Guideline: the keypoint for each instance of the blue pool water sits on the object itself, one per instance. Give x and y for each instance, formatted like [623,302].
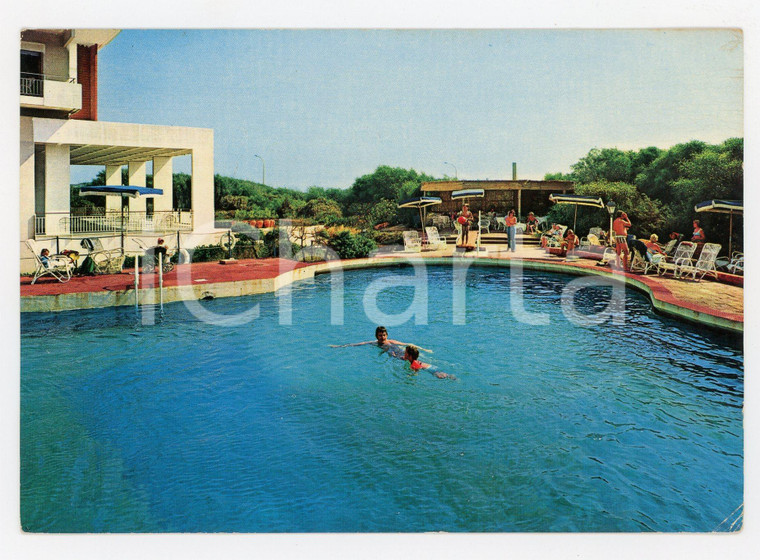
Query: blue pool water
[260,427]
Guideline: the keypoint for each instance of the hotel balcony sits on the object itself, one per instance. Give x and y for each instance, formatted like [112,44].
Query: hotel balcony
[65,224]
[40,91]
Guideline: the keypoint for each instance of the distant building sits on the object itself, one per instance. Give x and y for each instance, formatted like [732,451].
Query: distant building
[60,128]
[500,195]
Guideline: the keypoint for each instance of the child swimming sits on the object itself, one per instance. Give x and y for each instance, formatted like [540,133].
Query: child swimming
[411,355]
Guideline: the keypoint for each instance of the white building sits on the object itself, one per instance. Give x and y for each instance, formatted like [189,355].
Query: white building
[59,128]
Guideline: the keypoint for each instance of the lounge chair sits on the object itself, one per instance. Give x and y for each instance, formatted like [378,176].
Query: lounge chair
[705,264]
[736,266]
[553,240]
[412,241]
[59,267]
[434,240]
[644,262]
[682,257]
[725,262]
[104,261]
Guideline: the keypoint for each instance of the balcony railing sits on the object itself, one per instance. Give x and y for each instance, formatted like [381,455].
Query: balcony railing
[64,223]
[34,84]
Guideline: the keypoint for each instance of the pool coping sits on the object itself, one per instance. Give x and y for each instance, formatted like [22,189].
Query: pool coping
[662,299]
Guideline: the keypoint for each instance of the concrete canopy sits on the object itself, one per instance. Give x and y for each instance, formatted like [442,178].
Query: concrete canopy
[94,154]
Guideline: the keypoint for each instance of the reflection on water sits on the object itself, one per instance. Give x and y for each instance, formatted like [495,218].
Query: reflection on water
[185,426]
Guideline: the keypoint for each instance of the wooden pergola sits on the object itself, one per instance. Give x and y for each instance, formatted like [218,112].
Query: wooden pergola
[500,195]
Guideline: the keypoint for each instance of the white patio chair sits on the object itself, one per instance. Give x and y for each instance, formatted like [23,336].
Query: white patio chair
[682,257]
[736,266]
[705,263]
[412,241]
[105,261]
[434,240]
[484,224]
[59,267]
[725,262]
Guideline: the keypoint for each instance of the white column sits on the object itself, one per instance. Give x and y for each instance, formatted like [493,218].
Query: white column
[162,179]
[26,180]
[113,177]
[519,204]
[73,69]
[57,188]
[202,185]
[136,173]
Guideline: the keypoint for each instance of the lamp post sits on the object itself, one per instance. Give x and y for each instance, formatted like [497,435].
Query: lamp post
[263,169]
[455,168]
[611,210]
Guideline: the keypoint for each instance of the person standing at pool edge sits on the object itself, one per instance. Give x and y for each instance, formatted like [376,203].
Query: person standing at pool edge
[465,219]
[511,222]
[620,228]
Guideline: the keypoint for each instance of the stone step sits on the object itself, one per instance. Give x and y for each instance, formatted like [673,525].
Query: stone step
[497,239]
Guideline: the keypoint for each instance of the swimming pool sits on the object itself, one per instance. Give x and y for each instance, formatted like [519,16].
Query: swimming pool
[261,427]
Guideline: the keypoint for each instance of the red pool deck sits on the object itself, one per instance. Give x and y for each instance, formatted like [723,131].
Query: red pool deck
[708,302]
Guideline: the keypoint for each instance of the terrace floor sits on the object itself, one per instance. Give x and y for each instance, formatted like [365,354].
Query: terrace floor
[712,303]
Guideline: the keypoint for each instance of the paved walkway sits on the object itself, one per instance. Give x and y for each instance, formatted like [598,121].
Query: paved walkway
[707,302]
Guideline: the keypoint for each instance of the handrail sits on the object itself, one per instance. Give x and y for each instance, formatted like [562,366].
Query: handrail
[66,223]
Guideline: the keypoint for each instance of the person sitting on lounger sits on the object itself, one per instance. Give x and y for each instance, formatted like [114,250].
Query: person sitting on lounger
[45,258]
[531,224]
[570,241]
[698,236]
[412,354]
[555,233]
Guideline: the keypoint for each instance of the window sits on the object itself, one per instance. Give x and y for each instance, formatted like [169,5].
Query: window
[31,73]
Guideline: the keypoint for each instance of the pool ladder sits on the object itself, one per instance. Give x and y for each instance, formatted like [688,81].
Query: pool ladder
[147,311]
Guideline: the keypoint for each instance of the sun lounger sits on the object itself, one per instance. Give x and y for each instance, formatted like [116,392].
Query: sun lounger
[433,239]
[682,257]
[705,264]
[412,241]
[59,267]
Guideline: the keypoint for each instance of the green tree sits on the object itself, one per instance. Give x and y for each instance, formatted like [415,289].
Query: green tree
[390,183]
[648,216]
[608,164]
[321,210]
[655,180]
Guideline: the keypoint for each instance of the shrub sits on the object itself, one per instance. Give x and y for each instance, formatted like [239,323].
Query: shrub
[350,246]
[276,247]
[389,237]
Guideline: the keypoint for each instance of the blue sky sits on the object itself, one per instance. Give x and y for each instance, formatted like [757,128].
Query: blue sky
[323,107]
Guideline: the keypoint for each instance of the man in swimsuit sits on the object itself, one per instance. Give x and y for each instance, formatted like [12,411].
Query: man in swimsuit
[412,354]
[620,229]
[393,347]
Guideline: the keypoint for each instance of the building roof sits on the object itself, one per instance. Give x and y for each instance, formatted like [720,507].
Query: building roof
[497,185]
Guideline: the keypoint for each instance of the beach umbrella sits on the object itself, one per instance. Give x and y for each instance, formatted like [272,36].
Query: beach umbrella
[420,202]
[125,191]
[729,207]
[467,193]
[576,200]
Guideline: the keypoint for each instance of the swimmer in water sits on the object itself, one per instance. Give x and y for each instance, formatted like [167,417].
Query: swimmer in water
[382,340]
[411,355]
